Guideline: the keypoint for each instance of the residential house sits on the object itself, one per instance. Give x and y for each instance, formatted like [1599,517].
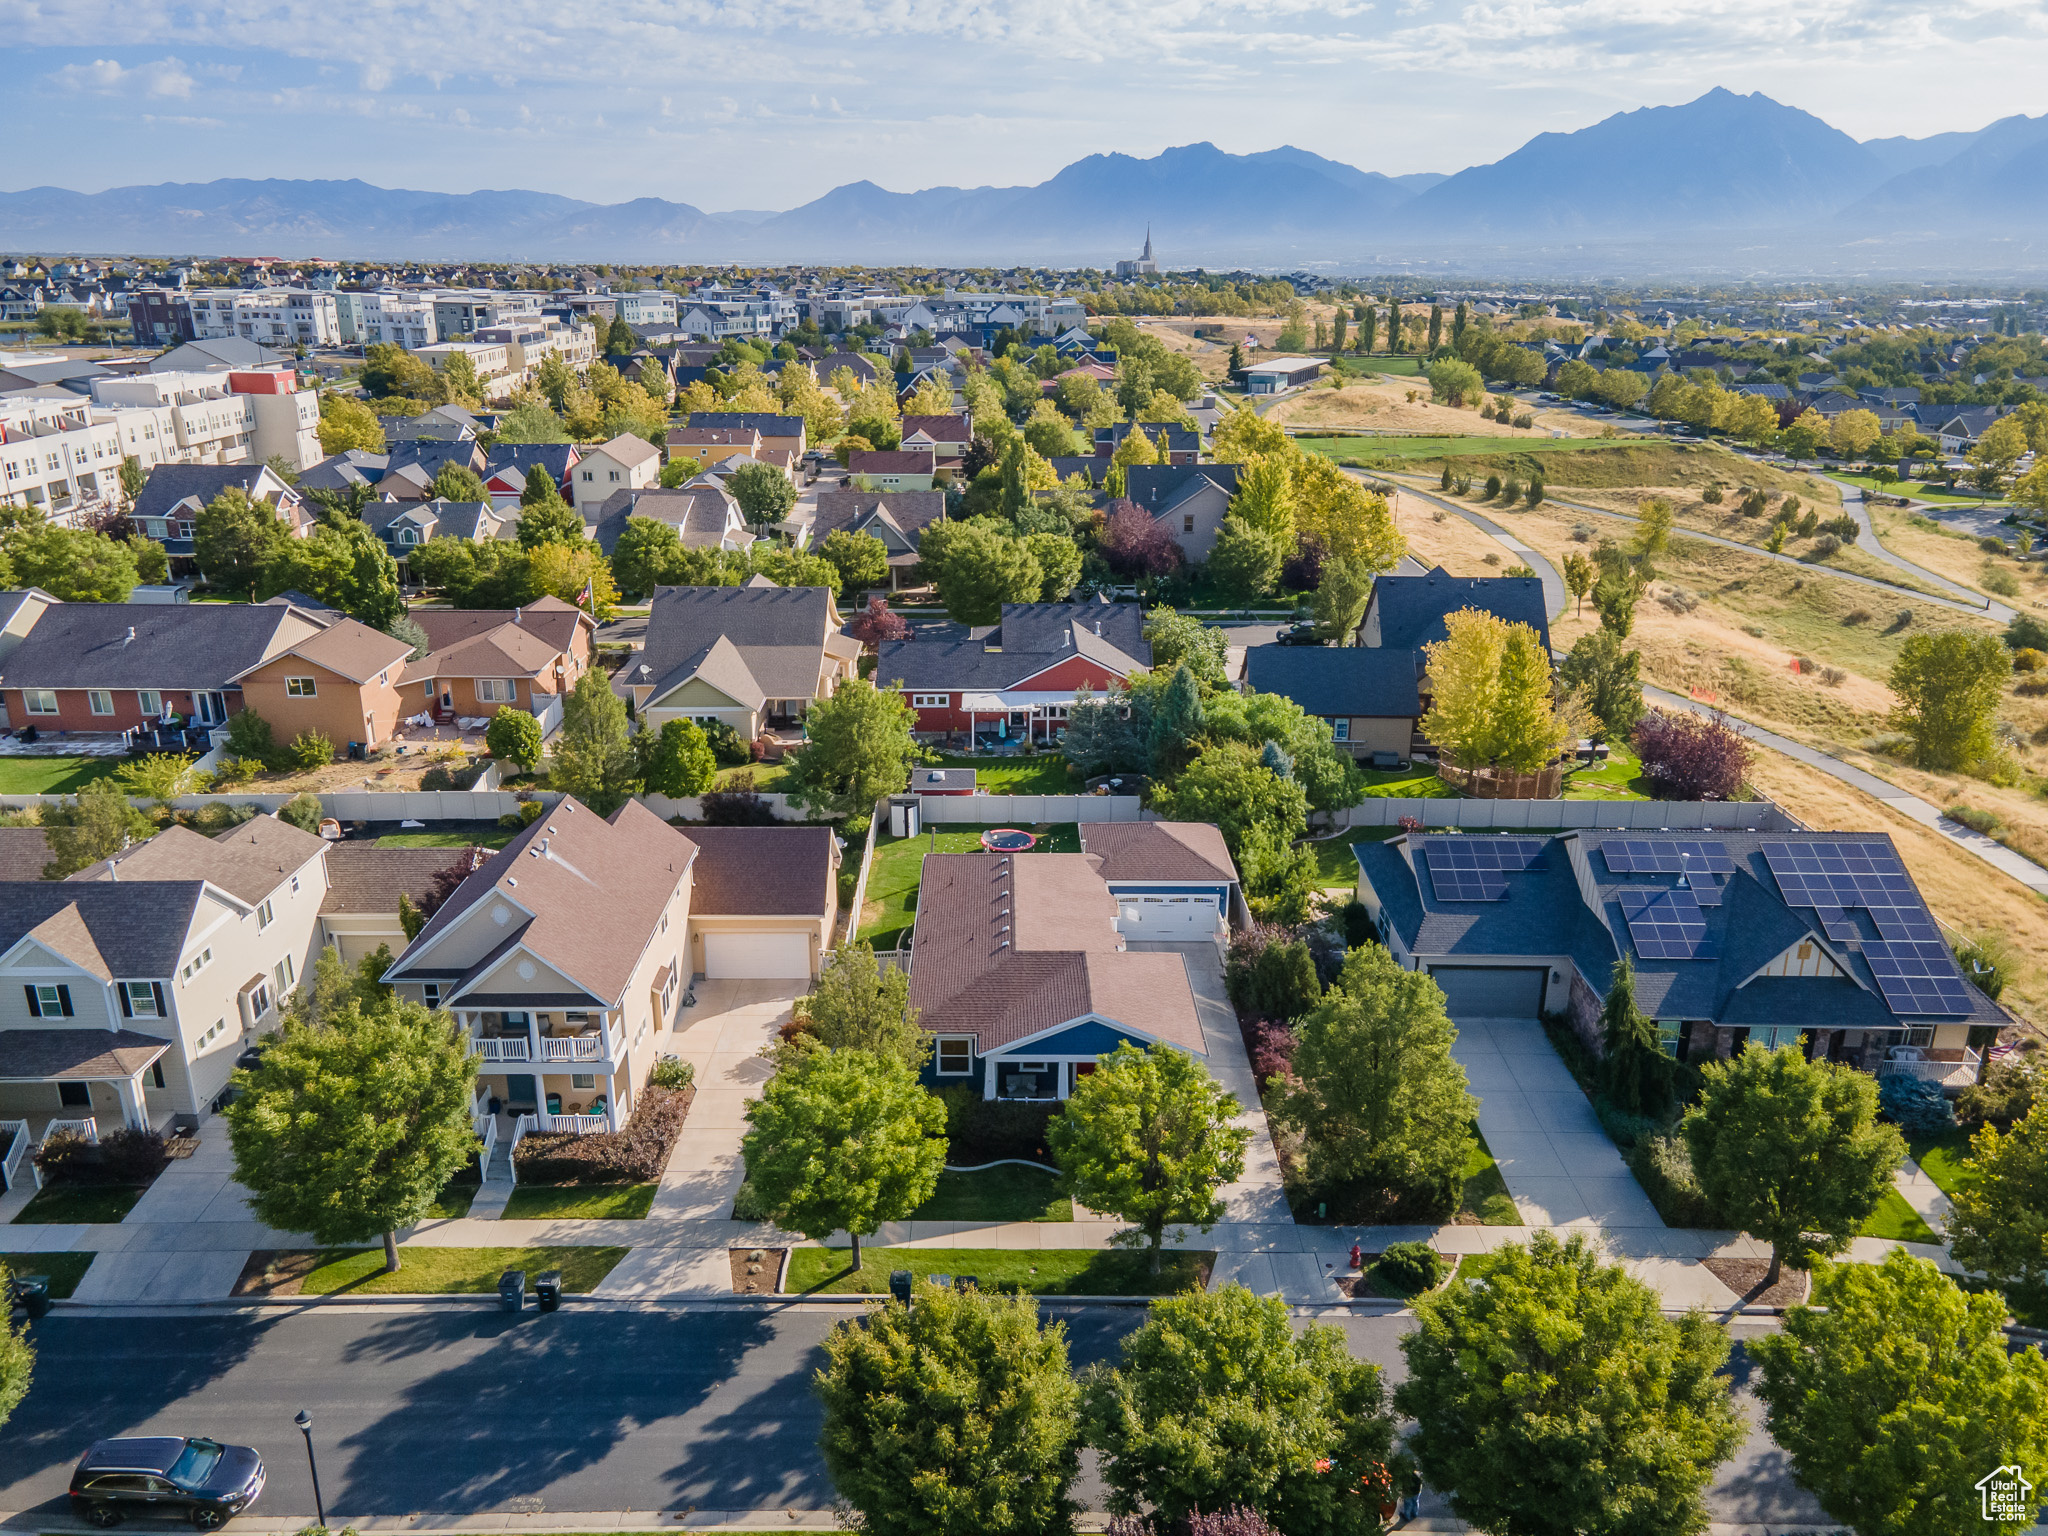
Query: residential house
[625,463]
[340,681]
[1816,939]
[776,431]
[138,981]
[900,469]
[753,657]
[897,518]
[1371,697]
[405,525]
[360,912]
[703,514]
[1960,428]
[1183,442]
[712,445]
[864,371]
[343,472]
[175,494]
[483,660]
[508,466]
[1191,500]
[1018,677]
[412,467]
[944,437]
[762,901]
[1408,612]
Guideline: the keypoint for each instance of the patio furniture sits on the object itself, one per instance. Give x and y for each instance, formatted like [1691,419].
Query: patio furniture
[554,1103]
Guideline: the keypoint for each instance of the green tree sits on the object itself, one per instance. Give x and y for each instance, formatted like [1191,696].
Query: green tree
[160,778]
[1149,1136]
[1059,564]
[97,824]
[1999,1223]
[411,920]
[859,1005]
[844,1141]
[1436,326]
[1803,439]
[389,371]
[1894,1393]
[17,1357]
[1226,784]
[1375,1091]
[1609,677]
[1949,686]
[956,1417]
[647,552]
[1340,598]
[979,571]
[1176,726]
[861,559]
[1652,536]
[514,736]
[458,482]
[152,566]
[1182,640]
[550,520]
[532,422]
[75,565]
[1633,1063]
[1791,1151]
[1578,576]
[676,760]
[764,493]
[1578,379]
[1264,498]
[342,563]
[860,749]
[619,339]
[1555,1398]
[346,424]
[1218,1401]
[1245,564]
[1491,695]
[594,757]
[132,479]
[1454,382]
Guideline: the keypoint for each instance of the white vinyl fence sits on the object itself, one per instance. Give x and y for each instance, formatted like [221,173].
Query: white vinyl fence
[1605,815]
[1028,810]
[418,804]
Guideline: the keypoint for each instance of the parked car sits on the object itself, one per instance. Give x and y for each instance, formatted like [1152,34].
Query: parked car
[206,1482]
[1303,633]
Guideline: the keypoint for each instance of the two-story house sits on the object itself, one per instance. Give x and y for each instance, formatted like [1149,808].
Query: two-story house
[898,469]
[1189,500]
[487,659]
[753,657]
[626,463]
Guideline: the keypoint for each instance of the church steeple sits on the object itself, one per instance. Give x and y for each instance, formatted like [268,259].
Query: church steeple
[1148,244]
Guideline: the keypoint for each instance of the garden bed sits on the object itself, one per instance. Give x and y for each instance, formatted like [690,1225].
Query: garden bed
[635,1155]
[1369,1284]
[422,1271]
[1745,1277]
[1036,1272]
[755,1271]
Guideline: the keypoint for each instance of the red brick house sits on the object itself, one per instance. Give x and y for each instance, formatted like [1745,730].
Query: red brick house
[1016,678]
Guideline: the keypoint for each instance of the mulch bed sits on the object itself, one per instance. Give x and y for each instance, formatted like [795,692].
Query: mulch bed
[1745,1277]
[755,1271]
[277,1272]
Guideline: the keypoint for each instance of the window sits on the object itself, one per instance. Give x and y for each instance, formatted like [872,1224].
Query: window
[930,700]
[99,701]
[587,475]
[39,701]
[295,885]
[1187,522]
[956,1055]
[1340,729]
[139,1000]
[1770,1038]
[497,690]
[430,994]
[195,965]
[582,1079]
[284,974]
[1669,1033]
[264,916]
[150,702]
[299,688]
[48,1002]
[259,999]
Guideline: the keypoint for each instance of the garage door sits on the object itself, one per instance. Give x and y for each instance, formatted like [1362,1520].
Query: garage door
[757,956]
[1167,919]
[1491,991]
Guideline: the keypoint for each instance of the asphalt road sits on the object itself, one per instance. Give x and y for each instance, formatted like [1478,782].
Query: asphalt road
[447,1410]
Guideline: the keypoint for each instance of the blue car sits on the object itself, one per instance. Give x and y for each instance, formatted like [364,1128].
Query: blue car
[202,1480]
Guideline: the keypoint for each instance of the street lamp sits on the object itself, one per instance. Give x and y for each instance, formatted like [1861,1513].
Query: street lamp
[305,1423]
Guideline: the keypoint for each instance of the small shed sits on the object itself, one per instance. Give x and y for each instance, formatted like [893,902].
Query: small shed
[942,781]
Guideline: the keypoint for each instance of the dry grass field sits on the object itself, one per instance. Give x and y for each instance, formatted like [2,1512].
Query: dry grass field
[1382,405]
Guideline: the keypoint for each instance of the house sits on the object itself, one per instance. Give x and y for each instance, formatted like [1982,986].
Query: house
[1960,429]
[405,525]
[340,681]
[946,437]
[712,445]
[508,467]
[775,431]
[1371,697]
[625,463]
[1173,881]
[1183,442]
[703,514]
[1020,970]
[1017,677]
[137,981]
[899,469]
[762,901]
[1191,500]
[1408,612]
[360,911]
[1271,375]
[483,660]
[897,518]
[1819,939]
[864,371]
[344,471]
[175,494]
[751,657]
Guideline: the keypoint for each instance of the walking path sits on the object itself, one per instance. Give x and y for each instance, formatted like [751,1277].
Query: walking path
[1867,539]
[1923,1194]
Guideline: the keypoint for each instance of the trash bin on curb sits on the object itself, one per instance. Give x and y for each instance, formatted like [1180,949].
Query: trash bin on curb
[547,1290]
[943,1282]
[899,1285]
[32,1294]
[512,1290]
[966,1282]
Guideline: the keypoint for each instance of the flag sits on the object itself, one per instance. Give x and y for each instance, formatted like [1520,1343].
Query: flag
[587,598]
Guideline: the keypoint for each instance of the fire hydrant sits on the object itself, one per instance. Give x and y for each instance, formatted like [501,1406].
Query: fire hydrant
[1357,1257]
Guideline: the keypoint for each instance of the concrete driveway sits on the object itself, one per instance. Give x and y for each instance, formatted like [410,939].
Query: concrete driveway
[722,1037]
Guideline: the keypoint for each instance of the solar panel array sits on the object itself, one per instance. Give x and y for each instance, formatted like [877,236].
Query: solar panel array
[1667,925]
[1913,967]
[1666,856]
[1476,868]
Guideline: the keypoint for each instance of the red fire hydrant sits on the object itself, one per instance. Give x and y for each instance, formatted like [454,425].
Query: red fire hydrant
[1357,1257]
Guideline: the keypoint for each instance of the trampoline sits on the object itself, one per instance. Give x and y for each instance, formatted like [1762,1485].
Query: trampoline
[1008,840]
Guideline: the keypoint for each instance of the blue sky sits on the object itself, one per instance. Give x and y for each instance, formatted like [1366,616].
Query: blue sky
[769,103]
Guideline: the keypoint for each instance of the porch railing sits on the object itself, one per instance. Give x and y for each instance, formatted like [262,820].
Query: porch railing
[16,1132]
[88,1128]
[1966,1067]
[503,1047]
[486,1127]
[572,1047]
[578,1125]
[520,1127]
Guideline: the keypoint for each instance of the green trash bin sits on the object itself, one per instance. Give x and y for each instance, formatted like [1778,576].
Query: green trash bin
[512,1290]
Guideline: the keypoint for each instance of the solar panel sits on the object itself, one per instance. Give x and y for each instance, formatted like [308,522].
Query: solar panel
[1502,853]
[1706,890]
[1841,875]
[1837,924]
[1667,925]
[1454,884]
[1917,976]
[1666,856]
[1912,923]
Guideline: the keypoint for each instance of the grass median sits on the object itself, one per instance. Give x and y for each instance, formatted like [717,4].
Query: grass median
[88,1204]
[438,1271]
[1038,1272]
[579,1202]
[64,1270]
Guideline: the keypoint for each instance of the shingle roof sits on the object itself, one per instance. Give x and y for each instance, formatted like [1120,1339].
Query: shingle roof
[363,878]
[1331,681]
[129,931]
[762,871]
[23,853]
[895,461]
[1180,437]
[556,458]
[355,651]
[768,424]
[1031,638]
[1157,850]
[1412,609]
[908,513]
[507,651]
[1159,488]
[950,428]
[698,512]
[170,484]
[248,862]
[549,617]
[628,449]
[174,645]
[31,1055]
[779,632]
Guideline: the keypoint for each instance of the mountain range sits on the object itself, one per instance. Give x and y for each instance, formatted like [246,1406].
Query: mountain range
[1725,184]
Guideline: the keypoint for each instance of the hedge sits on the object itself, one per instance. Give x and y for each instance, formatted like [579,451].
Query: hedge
[635,1155]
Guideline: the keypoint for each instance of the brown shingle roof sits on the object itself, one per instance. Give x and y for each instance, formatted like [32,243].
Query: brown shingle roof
[248,862]
[896,461]
[355,651]
[507,651]
[23,853]
[762,871]
[361,877]
[1157,850]
[33,1055]
[549,617]
[943,429]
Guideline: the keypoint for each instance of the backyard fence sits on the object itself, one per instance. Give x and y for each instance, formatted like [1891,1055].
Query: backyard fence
[1568,815]
[1030,810]
[478,804]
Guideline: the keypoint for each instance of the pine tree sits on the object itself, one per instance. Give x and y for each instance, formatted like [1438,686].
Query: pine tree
[1458,322]
[1638,1072]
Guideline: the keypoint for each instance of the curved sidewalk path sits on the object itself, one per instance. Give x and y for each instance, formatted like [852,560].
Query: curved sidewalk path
[1868,541]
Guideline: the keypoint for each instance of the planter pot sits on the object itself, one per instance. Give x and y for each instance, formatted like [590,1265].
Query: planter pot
[1387,1511]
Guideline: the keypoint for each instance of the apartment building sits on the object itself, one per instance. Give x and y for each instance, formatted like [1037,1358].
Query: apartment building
[57,454]
[717,319]
[220,417]
[399,319]
[491,359]
[529,342]
[653,306]
[273,317]
[461,312]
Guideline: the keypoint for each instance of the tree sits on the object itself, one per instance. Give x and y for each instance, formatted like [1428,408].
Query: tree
[346,424]
[1691,757]
[1609,677]
[1341,516]
[1652,536]
[1182,640]
[1555,1398]
[97,824]
[2002,445]
[859,749]
[876,624]
[342,563]
[648,551]
[1340,598]
[1176,725]
[389,371]
[1436,326]
[1894,1393]
[1790,1151]
[676,760]
[1227,785]
[458,482]
[514,736]
[1615,596]
[1578,578]
[1135,448]
[567,571]
[618,338]
[764,493]
[1633,1064]
[979,570]
[1059,564]
[160,778]
[532,422]
[1949,686]
[1243,434]
[1375,1091]
[549,520]
[1264,499]
[861,559]
[858,1005]
[844,1141]
[76,565]
[1623,387]
[1453,382]
[1854,433]
[958,1416]
[1134,543]
[1245,563]
[1577,379]
[1999,1223]
[594,758]
[1803,439]
[17,1356]
[1490,695]
[1149,1136]
[1218,1401]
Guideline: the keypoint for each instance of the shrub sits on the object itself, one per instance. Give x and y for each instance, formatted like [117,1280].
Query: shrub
[125,1156]
[1986,822]
[2031,687]
[1412,1268]
[2001,582]
[1690,757]
[1993,546]
[302,811]
[441,776]
[1269,974]
[235,770]
[1856,616]
[1357,920]
[216,818]
[1713,495]
[2028,659]
[1912,1104]
[1845,528]
[982,1130]
[1824,546]
[2026,632]
[309,749]
[737,806]
[1663,1166]
[2006,1094]
[1510,491]
[726,745]
[673,1073]
[747,1205]
[1834,677]
[1582,533]
[1271,1046]
[635,1155]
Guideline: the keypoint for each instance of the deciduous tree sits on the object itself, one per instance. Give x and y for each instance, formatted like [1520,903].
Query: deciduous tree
[346,424]
[859,1005]
[594,758]
[1999,1223]
[859,749]
[1949,686]
[458,482]
[514,736]
[1135,543]
[861,559]
[764,493]
[977,570]
[342,563]
[1340,598]
[231,539]
[1245,563]
[1692,757]
[676,760]
[97,824]
[1609,675]
[1490,695]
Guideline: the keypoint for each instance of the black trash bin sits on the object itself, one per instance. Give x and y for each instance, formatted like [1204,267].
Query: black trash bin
[547,1290]
[899,1285]
[943,1282]
[966,1282]
[512,1290]
[32,1294]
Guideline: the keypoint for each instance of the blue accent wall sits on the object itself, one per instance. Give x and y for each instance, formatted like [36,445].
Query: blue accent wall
[1092,1038]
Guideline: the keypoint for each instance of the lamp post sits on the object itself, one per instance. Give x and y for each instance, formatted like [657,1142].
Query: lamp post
[305,1423]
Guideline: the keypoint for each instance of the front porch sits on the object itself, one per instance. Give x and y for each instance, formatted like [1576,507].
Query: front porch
[90,1081]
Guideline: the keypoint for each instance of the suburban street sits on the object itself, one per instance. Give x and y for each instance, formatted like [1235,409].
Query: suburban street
[436,1408]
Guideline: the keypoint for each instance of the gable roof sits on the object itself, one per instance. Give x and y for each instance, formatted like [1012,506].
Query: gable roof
[352,650]
[894,461]
[111,930]
[553,620]
[950,428]
[763,871]
[1157,850]
[767,423]
[1031,638]
[150,645]
[1337,681]
[556,458]
[1412,609]
[1180,437]
[248,862]
[629,450]
[1159,488]
[780,634]
[170,484]
[702,513]
[897,518]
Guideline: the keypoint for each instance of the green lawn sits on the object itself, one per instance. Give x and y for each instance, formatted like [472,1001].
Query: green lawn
[1898,1221]
[588,1202]
[893,877]
[54,775]
[1006,1193]
[1619,778]
[1044,774]
[447,1271]
[1335,864]
[767,777]
[1944,1156]
[1918,490]
[64,1269]
[1353,366]
[453,1203]
[1042,1272]
[1414,782]
[102,1204]
[496,838]
[1486,1192]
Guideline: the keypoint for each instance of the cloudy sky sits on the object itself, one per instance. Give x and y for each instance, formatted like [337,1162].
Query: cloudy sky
[769,103]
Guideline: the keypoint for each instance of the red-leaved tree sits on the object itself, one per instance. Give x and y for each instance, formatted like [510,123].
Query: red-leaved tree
[1692,757]
[1135,543]
[875,623]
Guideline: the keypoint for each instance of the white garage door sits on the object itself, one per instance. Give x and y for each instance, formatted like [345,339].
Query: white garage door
[757,956]
[1490,991]
[1167,919]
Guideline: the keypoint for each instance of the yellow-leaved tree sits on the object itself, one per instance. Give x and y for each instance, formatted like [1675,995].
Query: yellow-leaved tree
[1490,695]
[1265,497]
[1343,516]
[1244,434]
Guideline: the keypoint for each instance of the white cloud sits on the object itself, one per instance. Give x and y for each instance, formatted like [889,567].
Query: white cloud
[108,77]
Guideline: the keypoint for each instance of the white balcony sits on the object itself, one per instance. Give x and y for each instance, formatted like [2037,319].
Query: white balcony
[503,1048]
[1948,1068]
